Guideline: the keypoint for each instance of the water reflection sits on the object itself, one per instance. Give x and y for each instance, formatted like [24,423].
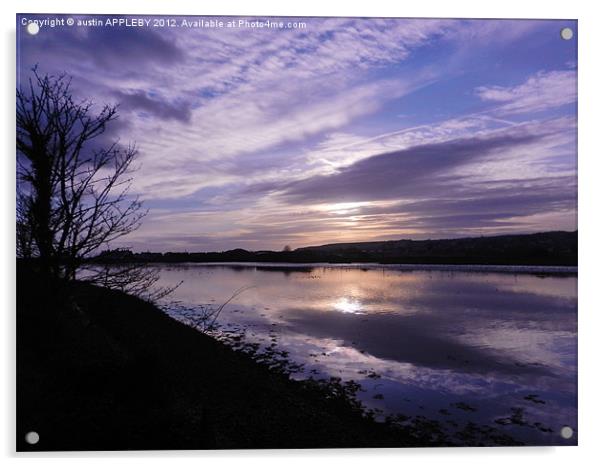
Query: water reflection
[348,306]
[456,346]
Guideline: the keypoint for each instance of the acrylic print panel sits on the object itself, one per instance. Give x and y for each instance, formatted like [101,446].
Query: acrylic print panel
[295,232]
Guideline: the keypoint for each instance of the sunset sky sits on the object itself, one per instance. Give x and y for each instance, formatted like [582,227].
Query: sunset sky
[345,130]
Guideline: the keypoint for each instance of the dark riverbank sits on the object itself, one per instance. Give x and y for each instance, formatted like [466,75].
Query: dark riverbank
[103,370]
[556,248]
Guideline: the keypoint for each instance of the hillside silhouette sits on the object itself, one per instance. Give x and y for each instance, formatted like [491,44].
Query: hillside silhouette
[558,248]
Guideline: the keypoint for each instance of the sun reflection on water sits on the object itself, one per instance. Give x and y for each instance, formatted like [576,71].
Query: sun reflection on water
[348,306]
[418,342]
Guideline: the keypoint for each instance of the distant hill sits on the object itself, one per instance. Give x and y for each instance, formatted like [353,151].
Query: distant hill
[549,248]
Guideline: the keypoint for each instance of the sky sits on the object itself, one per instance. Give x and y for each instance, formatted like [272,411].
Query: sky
[335,130]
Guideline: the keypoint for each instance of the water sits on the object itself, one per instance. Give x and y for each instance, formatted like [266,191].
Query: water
[489,346]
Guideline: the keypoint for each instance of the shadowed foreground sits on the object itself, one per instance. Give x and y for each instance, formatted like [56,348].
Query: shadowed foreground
[104,370]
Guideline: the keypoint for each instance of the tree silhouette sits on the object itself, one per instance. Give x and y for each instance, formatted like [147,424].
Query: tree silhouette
[72,192]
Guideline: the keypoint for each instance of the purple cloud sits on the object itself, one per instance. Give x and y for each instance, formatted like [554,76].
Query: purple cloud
[417,170]
[139,100]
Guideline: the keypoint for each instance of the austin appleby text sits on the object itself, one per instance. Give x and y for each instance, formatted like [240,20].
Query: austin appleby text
[128,22]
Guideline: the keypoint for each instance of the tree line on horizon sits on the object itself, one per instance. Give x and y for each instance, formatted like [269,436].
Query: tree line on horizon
[547,248]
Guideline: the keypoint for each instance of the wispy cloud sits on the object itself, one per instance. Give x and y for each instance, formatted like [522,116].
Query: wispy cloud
[542,91]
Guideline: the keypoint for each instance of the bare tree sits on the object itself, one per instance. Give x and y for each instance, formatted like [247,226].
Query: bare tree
[25,243]
[133,278]
[72,193]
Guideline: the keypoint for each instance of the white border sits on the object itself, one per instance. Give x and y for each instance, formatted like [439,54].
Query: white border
[590,172]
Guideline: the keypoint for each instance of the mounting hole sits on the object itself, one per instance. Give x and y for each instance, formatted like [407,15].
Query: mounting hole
[33,28]
[566,432]
[566,33]
[32,437]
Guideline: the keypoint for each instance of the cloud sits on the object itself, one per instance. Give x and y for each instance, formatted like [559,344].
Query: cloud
[479,205]
[106,52]
[240,92]
[480,177]
[542,91]
[409,172]
[500,180]
[140,100]
[130,45]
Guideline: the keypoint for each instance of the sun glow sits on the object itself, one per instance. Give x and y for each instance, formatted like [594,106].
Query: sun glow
[342,208]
